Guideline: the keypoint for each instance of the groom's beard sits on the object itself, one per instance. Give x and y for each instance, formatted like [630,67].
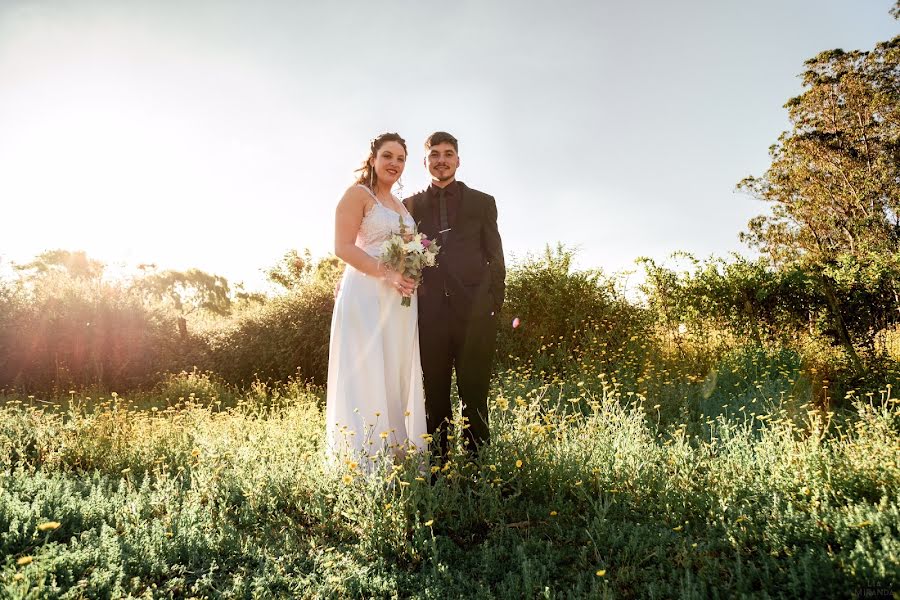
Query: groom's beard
[443,177]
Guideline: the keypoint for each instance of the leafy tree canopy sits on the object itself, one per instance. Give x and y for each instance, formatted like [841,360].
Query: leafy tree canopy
[75,264]
[834,183]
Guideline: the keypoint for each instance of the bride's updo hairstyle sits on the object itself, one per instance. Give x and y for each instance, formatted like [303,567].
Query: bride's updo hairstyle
[366,173]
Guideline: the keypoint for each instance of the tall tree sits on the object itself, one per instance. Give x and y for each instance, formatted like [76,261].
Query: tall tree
[834,183]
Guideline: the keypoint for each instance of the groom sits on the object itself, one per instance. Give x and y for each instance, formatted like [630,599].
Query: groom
[460,299]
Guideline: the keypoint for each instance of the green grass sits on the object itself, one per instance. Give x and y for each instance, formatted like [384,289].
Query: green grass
[586,491]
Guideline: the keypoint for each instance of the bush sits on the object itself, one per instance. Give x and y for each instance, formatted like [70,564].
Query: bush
[286,337]
[552,314]
[196,386]
[64,332]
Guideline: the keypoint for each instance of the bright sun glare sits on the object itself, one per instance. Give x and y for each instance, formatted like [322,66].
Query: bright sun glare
[126,149]
[90,152]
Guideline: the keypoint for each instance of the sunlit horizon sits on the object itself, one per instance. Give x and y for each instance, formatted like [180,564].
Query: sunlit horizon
[221,138]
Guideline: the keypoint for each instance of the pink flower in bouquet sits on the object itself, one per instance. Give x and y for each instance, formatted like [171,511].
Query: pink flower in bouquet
[425,241]
[516,322]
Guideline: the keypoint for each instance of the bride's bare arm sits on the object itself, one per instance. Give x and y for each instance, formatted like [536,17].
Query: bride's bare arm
[348,217]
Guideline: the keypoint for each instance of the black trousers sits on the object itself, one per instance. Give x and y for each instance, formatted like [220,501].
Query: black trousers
[448,342]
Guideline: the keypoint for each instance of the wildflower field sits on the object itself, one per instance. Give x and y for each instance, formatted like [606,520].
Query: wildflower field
[639,450]
[594,486]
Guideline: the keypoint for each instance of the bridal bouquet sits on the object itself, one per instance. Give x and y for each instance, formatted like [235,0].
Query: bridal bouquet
[408,252]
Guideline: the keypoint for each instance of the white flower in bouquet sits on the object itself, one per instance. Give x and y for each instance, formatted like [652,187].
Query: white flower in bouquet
[414,246]
[408,253]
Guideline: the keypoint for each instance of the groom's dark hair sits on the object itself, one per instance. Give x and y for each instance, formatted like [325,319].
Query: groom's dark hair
[441,137]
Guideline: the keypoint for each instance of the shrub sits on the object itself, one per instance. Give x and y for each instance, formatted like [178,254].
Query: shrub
[64,332]
[284,338]
[559,313]
[194,385]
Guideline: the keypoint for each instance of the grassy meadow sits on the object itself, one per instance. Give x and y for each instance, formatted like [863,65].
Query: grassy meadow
[629,479]
[679,447]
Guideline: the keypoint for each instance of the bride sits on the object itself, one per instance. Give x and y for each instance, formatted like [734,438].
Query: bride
[375,399]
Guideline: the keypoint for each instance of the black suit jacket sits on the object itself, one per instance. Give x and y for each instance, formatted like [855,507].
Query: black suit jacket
[470,271]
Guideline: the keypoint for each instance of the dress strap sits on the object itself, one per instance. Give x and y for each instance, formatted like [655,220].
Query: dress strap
[374,197]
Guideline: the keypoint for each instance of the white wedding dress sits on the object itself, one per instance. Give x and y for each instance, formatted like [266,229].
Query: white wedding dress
[375,399]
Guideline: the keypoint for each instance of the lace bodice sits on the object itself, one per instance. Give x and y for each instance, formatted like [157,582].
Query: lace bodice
[378,225]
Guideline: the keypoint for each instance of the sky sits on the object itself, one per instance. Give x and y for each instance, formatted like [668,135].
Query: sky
[221,134]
